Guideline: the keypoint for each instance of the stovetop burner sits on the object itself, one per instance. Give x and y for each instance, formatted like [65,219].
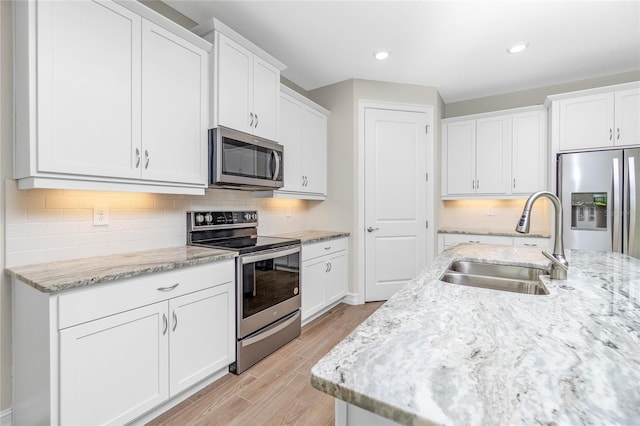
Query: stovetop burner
[232,231]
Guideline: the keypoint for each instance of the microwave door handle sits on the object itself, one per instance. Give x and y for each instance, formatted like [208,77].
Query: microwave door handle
[633,206]
[615,195]
[277,172]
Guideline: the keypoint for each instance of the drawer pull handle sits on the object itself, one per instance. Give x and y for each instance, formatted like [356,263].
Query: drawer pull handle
[166,324]
[474,241]
[173,287]
[530,245]
[328,248]
[175,321]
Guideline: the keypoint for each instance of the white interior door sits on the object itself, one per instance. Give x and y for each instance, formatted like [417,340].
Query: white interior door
[395,199]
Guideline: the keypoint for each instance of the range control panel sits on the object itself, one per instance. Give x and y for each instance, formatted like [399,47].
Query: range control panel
[202,220]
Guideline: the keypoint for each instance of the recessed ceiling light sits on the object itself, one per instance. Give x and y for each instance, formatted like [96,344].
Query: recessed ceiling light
[381,55]
[518,48]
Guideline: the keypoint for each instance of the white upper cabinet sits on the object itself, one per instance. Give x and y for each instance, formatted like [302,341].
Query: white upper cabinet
[303,133]
[528,152]
[245,83]
[598,118]
[174,108]
[493,155]
[107,99]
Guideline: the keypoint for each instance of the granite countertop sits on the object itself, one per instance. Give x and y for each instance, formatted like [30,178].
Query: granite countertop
[449,354]
[308,237]
[476,231]
[57,276]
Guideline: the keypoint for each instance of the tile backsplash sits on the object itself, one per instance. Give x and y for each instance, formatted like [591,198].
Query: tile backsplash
[50,225]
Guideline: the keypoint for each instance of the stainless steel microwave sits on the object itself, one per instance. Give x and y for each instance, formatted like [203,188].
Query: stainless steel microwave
[241,161]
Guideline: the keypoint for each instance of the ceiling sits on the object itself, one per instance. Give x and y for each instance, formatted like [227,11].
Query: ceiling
[459,47]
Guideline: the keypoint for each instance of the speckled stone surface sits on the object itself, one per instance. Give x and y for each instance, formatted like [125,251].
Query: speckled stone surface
[57,276]
[476,231]
[449,354]
[308,237]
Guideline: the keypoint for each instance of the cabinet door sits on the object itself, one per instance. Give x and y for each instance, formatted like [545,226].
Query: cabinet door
[290,138]
[461,141]
[336,280]
[528,142]
[202,335]
[266,95]
[88,104]
[312,288]
[627,117]
[234,85]
[586,122]
[493,136]
[174,108]
[114,369]
[314,151]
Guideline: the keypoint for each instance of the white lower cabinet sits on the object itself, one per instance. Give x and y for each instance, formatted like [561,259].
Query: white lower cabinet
[119,350]
[324,276]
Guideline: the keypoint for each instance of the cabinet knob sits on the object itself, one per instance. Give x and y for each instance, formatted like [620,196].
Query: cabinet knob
[370,229]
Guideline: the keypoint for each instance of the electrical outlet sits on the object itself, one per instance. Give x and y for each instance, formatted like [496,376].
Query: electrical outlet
[490,211]
[100,215]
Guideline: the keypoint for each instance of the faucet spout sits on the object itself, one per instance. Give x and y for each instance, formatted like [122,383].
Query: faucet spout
[559,263]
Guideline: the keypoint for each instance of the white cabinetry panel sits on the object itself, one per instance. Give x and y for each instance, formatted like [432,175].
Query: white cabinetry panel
[114,369]
[324,276]
[597,118]
[88,105]
[495,155]
[113,97]
[174,108]
[234,86]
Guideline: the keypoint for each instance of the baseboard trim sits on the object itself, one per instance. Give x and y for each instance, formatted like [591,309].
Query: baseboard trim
[6,417]
[351,299]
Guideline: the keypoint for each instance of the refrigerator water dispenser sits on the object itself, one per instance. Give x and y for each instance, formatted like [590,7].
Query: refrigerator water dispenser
[589,211]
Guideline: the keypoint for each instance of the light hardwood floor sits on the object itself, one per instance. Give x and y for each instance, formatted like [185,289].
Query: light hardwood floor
[277,390]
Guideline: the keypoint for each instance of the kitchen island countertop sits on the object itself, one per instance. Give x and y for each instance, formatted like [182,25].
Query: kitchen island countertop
[449,354]
[62,275]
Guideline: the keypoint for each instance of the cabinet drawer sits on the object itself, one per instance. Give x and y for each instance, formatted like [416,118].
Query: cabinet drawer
[97,301]
[450,239]
[532,242]
[310,251]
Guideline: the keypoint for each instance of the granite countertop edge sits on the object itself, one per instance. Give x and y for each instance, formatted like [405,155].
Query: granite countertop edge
[467,231]
[54,276]
[314,236]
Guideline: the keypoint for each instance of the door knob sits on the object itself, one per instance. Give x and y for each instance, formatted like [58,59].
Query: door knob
[370,229]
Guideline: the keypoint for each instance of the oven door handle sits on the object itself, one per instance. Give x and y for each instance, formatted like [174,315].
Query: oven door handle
[270,332]
[271,254]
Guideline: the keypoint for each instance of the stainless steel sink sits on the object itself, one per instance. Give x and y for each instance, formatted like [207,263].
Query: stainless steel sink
[514,278]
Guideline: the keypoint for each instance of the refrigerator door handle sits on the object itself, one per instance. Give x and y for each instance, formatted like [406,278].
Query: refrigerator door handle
[616,244]
[633,205]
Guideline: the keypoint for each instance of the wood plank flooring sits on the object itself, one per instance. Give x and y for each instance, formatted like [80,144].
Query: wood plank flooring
[277,390]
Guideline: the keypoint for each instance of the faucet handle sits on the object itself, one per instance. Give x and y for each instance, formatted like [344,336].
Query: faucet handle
[559,266]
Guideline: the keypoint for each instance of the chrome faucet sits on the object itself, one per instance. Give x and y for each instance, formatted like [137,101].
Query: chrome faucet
[559,264]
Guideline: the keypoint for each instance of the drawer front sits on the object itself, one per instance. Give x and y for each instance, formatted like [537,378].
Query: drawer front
[450,239]
[310,251]
[88,303]
[532,242]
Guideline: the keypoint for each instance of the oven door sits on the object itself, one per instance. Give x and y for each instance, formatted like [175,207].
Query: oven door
[268,288]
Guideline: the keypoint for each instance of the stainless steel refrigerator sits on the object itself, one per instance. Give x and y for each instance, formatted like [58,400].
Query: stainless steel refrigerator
[600,192]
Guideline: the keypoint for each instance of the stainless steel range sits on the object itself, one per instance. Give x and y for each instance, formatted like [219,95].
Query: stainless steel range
[267,281]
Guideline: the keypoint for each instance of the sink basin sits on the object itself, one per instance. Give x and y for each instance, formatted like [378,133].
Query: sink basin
[514,278]
[500,271]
